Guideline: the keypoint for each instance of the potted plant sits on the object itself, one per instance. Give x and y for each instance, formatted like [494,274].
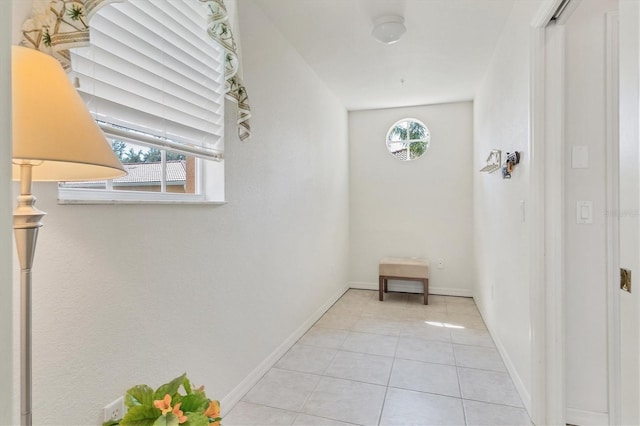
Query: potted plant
[167,406]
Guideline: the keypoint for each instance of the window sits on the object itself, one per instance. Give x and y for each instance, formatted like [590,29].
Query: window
[408,139]
[149,169]
[154,81]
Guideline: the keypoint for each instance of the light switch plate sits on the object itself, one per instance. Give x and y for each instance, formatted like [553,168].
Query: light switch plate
[580,157]
[584,212]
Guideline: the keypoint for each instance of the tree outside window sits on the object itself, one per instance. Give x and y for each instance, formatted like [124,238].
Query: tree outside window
[149,169]
[408,139]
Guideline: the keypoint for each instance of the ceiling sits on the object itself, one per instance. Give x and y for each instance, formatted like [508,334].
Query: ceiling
[441,57]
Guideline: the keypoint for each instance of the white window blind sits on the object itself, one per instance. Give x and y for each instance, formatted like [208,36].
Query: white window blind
[152,74]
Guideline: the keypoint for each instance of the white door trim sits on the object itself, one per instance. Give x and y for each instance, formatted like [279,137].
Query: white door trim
[9,404]
[612,223]
[554,231]
[547,212]
[536,229]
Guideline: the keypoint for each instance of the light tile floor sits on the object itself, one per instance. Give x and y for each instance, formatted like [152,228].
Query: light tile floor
[391,363]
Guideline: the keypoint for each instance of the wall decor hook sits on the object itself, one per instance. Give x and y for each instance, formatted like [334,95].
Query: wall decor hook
[512,159]
[493,161]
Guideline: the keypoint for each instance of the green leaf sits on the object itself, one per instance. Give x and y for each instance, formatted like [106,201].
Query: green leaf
[187,386]
[170,388]
[111,423]
[195,402]
[139,395]
[196,419]
[176,398]
[169,419]
[141,415]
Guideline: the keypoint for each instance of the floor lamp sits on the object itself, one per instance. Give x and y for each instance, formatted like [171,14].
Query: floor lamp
[55,138]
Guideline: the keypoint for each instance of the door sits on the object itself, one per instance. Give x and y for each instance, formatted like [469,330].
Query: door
[590,130]
[592,83]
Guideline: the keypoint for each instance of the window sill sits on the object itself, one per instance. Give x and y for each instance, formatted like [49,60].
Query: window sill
[104,197]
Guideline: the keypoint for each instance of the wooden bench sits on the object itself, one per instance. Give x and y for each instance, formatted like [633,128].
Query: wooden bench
[410,269]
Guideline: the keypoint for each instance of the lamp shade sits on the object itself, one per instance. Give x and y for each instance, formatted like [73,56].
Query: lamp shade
[52,127]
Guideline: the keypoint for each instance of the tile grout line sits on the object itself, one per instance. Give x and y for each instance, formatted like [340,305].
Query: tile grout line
[431,393]
[324,375]
[386,389]
[395,387]
[297,413]
[329,364]
[384,397]
[408,359]
[495,403]
[464,412]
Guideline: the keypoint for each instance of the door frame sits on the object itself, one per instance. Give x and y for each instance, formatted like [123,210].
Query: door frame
[612,218]
[547,202]
[546,194]
[9,404]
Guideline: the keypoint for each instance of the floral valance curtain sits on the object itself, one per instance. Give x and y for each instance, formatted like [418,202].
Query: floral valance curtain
[59,25]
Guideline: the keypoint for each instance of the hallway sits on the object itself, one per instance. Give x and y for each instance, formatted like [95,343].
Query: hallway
[395,362]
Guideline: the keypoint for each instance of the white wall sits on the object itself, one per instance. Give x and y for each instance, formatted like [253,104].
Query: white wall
[419,208]
[630,206]
[6,249]
[501,121]
[140,294]
[585,244]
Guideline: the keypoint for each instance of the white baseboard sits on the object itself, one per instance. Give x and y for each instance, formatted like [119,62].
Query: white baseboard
[409,287]
[586,418]
[231,399]
[525,396]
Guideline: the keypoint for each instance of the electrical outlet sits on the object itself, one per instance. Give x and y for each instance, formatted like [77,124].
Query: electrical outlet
[441,263]
[115,410]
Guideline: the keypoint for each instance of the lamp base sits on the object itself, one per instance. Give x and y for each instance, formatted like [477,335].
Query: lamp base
[26,243]
[26,223]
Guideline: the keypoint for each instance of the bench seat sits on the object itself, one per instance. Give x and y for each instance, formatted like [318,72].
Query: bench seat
[400,268]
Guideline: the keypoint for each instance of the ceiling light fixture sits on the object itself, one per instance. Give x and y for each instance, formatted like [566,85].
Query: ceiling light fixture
[388,29]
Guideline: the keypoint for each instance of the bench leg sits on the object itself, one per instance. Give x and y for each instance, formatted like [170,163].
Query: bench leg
[380,287]
[385,282]
[426,291]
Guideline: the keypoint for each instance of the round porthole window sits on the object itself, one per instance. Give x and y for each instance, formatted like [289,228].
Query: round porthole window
[408,139]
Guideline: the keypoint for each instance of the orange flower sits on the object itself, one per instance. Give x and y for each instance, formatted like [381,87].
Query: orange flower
[164,404]
[179,414]
[213,411]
